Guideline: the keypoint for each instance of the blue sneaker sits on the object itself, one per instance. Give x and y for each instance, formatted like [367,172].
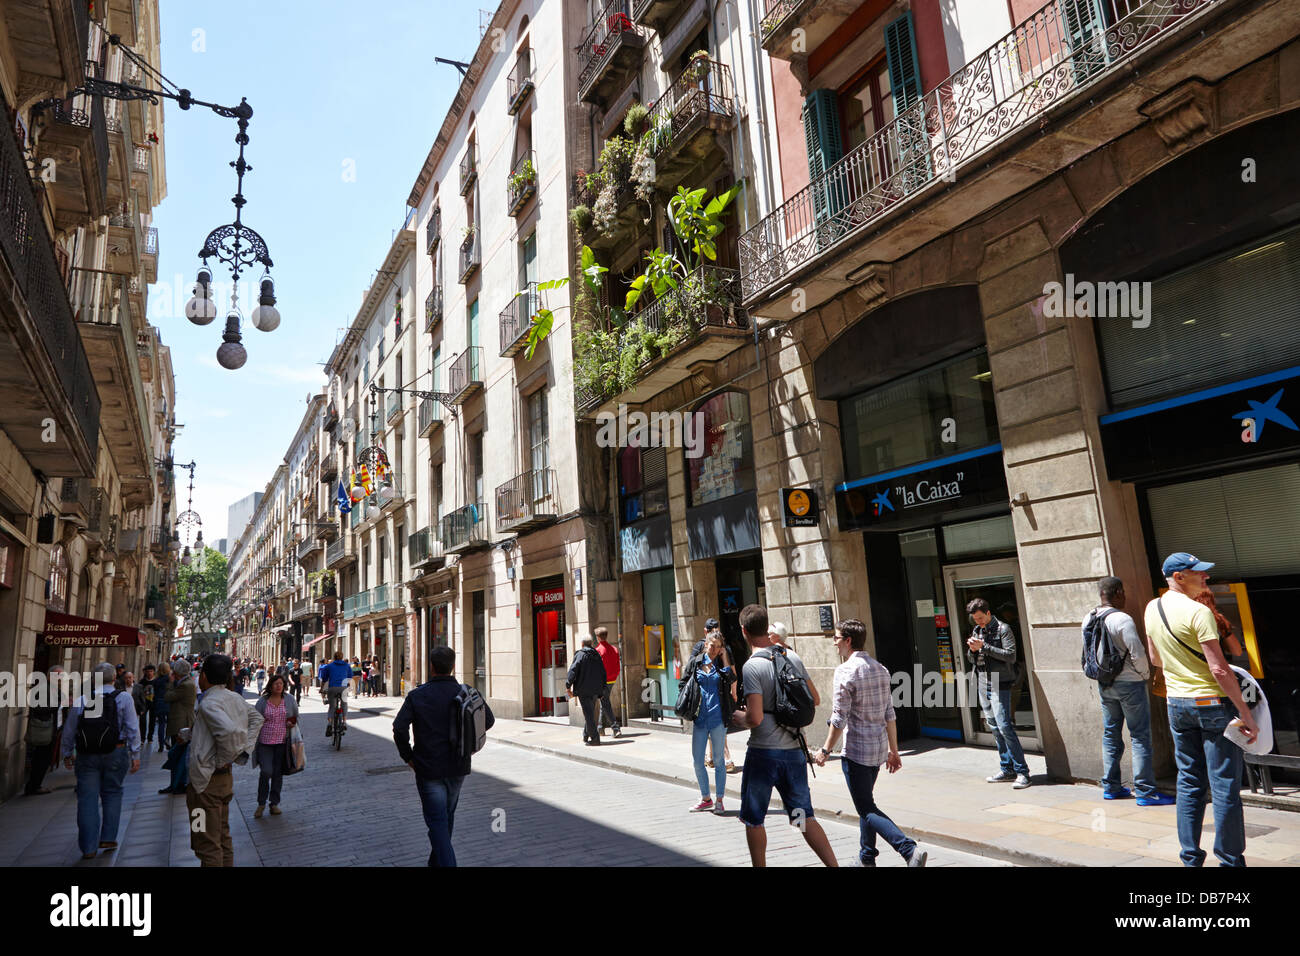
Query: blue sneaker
[1159,800]
[1123,793]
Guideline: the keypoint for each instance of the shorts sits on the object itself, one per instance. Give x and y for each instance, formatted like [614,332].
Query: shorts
[787,771]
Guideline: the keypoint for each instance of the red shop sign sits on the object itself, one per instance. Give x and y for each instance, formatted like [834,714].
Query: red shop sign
[548,596]
[64,630]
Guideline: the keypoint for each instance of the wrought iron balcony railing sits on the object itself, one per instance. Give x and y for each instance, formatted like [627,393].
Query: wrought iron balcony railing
[612,31]
[703,95]
[423,547]
[430,415]
[433,308]
[1048,58]
[520,82]
[75,496]
[468,168]
[522,184]
[465,374]
[394,406]
[27,248]
[463,529]
[433,231]
[517,319]
[470,256]
[526,501]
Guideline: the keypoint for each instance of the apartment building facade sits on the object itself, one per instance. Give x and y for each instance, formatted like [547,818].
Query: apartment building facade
[1004,295]
[86,493]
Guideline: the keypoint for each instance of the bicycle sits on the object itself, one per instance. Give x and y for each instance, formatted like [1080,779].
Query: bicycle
[338,726]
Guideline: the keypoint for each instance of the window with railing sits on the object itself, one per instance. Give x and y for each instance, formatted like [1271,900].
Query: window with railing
[520,82]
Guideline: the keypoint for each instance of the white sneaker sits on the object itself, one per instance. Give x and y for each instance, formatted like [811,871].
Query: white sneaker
[1022,782]
[918,857]
[717,808]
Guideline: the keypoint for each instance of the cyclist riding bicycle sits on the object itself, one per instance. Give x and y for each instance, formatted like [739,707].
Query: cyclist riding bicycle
[334,680]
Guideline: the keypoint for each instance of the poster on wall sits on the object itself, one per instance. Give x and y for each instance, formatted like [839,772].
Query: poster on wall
[654,646]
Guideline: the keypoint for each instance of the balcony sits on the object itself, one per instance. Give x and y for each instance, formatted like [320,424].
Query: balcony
[424,549]
[522,184]
[394,407]
[813,21]
[688,124]
[468,169]
[52,377]
[356,605]
[75,137]
[155,613]
[520,82]
[470,257]
[526,502]
[702,321]
[75,499]
[125,242]
[160,537]
[341,551]
[657,14]
[306,547]
[465,529]
[150,258]
[141,166]
[331,416]
[994,98]
[100,304]
[609,53]
[302,607]
[433,308]
[430,416]
[433,231]
[465,375]
[329,467]
[516,320]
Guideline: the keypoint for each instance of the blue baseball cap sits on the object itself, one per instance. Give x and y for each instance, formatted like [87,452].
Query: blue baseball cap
[1182,561]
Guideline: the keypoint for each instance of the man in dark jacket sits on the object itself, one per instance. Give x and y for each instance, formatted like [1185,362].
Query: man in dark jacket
[586,681]
[992,647]
[439,769]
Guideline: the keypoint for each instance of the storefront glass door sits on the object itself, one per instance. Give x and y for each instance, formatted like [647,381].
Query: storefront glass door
[998,582]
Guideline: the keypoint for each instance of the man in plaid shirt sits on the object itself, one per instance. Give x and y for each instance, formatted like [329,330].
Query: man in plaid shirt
[863,712]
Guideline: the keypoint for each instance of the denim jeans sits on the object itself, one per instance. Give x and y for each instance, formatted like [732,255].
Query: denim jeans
[700,738]
[439,797]
[180,758]
[99,781]
[1207,761]
[787,771]
[996,707]
[871,819]
[160,721]
[270,762]
[1125,701]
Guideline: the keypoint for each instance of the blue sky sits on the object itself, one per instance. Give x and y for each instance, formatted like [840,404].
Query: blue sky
[331,83]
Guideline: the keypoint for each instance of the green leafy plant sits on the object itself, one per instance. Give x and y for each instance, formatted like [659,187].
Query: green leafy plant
[635,120]
[697,226]
[525,176]
[580,217]
[699,66]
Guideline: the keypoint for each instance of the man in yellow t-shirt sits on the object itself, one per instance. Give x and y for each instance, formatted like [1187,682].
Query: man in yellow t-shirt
[1203,696]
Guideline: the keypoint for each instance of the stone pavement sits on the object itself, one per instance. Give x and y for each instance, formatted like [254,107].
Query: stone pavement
[359,807]
[940,797]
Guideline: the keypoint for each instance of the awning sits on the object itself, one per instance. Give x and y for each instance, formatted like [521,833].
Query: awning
[64,630]
[317,640]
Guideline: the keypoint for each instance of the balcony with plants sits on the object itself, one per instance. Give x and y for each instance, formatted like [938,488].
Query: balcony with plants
[519,85]
[522,184]
[609,204]
[686,128]
[633,351]
[609,53]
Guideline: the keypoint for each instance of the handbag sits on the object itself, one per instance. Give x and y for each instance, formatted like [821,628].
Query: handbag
[688,696]
[295,753]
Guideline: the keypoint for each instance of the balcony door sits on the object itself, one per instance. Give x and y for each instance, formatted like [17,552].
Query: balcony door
[471,336]
[527,273]
[539,440]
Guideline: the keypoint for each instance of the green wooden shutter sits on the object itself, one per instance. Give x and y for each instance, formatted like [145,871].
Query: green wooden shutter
[821,125]
[909,151]
[1085,26]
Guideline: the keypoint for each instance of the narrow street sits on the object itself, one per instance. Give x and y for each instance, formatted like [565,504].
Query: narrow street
[358,807]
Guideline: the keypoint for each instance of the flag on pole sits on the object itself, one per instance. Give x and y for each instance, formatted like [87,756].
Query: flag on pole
[366,482]
[345,503]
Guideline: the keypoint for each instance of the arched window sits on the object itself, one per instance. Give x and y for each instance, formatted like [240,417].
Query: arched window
[720,449]
[56,589]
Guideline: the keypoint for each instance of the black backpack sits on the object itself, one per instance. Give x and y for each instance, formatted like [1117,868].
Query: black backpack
[1105,666]
[792,703]
[468,722]
[100,734]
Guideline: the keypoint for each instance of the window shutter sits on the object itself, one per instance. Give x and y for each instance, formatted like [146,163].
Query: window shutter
[1084,25]
[821,124]
[904,66]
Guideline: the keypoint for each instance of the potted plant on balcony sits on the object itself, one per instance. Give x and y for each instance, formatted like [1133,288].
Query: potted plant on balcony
[580,217]
[467,233]
[635,120]
[525,177]
[699,65]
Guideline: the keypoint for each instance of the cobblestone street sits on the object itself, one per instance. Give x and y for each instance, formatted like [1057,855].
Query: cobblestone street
[358,807]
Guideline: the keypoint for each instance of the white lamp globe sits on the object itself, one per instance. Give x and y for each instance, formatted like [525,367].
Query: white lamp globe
[265,317]
[201,309]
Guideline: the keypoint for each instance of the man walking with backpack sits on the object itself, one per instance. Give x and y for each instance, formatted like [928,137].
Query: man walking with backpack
[451,720]
[101,738]
[1203,698]
[776,686]
[1115,657]
[586,681]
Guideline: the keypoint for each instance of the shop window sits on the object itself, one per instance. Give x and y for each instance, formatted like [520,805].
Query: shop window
[936,413]
[725,466]
[643,482]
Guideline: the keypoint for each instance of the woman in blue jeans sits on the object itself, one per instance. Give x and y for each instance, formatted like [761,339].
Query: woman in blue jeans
[712,671]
